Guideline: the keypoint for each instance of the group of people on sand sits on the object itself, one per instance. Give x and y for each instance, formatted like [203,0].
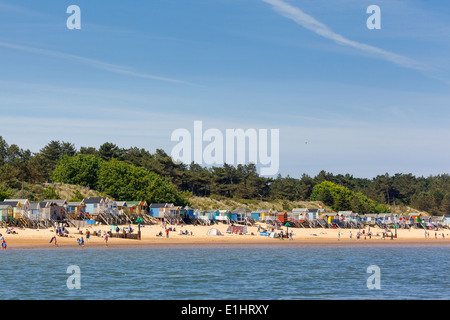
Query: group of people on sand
[81,241]
[427,235]
[364,234]
[286,235]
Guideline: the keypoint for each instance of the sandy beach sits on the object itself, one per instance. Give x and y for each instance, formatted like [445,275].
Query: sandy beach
[33,238]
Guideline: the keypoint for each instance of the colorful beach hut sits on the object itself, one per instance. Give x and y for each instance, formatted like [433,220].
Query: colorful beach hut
[160,210]
[6,212]
[187,213]
[20,207]
[58,209]
[95,205]
[137,207]
[76,208]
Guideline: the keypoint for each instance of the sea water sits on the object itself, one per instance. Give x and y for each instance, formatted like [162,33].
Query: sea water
[226,273]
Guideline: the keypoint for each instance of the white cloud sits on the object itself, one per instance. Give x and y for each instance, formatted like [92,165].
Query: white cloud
[310,23]
[92,62]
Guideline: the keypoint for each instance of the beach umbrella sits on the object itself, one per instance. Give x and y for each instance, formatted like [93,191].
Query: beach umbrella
[139,220]
[287,225]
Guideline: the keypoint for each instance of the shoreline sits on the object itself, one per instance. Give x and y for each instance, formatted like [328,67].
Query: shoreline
[236,245]
[318,237]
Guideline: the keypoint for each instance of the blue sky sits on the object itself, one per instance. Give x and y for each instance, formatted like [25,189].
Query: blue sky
[366,101]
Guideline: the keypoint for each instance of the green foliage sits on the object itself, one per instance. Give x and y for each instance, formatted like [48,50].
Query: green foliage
[343,199]
[77,196]
[128,182]
[50,193]
[4,194]
[79,170]
[116,178]
[60,161]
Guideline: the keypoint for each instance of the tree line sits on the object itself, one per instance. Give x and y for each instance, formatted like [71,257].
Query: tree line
[119,172]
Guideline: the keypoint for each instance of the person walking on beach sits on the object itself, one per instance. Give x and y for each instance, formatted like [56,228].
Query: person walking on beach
[167,233]
[106,239]
[53,239]
[2,241]
[80,241]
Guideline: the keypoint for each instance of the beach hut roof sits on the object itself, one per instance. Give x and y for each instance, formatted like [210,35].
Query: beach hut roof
[95,200]
[34,205]
[22,201]
[371,215]
[57,202]
[5,207]
[76,203]
[161,205]
[45,204]
[299,210]
[414,214]
[135,203]
[11,203]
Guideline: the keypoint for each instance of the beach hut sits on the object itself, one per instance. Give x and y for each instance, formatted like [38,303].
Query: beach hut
[95,205]
[197,213]
[313,214]
[137,207]
[58,209]
[188,213]
[240,214]
[438,221]
[20,207]
[45,210]
[300,214]
[282,217]
[76,208]
[446,221]
[214,232]
[349,219]
[34,211]
[17,208]
[123,207]
[268,216]
[6,212]
[160,210]
[369,218]
[222,215]
[255,215]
